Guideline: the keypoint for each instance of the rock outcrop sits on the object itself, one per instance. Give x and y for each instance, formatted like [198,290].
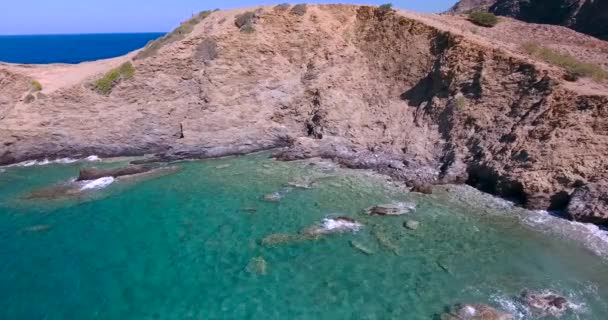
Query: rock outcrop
[586,16]
[402,93]
[589,203]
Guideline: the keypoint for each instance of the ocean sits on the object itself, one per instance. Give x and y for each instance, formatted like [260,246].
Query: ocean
[72,48]
[204,243]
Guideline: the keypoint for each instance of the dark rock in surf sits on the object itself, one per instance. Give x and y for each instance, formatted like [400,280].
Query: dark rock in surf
[546,304]
[95,173]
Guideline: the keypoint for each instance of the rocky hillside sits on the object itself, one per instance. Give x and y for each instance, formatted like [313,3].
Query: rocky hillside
[586,16]
[414,96]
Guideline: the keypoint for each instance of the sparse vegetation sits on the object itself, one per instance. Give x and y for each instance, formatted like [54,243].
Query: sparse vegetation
[105,84]
[282,7]
[570,64]
[35,86]
[386,7]
[299,9]
[484,19]
[248,28]
[461,101]
[179,33]
[243,19]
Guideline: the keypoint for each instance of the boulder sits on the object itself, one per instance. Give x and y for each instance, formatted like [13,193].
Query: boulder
[546,303]
[95,173]
[393,209]
[589,203]
[476,312]
[421,187]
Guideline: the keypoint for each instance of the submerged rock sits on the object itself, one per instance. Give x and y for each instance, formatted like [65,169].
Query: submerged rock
[476,312]
[284,238]
[546,303]
[37,228]
[301,184]
[393,209]
[334,225]
[277,195]
[361,247]
[95,173]
[411,224]
[257,265]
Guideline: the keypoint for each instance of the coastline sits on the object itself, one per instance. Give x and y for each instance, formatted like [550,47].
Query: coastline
[592,237]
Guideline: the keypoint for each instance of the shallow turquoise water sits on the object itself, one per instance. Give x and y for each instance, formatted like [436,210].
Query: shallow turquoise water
[189,246]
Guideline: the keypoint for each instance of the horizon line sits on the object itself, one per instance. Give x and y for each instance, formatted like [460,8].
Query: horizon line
[78,34]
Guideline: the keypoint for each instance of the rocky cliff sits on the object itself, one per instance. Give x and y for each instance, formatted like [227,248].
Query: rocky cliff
[586,16]
[405,94]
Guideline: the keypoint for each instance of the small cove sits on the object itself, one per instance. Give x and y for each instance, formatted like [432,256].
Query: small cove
[189,245]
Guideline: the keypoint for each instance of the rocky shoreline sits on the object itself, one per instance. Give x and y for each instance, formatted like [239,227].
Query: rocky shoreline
[426,104]
[585,204]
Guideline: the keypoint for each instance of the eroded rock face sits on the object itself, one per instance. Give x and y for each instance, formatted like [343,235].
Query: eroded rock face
[589,203]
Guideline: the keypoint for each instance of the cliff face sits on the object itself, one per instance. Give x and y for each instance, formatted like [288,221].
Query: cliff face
[586,16]
[367,87]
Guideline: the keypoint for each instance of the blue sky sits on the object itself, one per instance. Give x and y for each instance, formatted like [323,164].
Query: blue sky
[98,16]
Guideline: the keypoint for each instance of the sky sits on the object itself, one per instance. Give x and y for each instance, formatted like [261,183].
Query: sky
[112,16]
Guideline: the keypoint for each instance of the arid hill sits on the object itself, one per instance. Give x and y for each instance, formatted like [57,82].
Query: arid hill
[586,16]
[425,98]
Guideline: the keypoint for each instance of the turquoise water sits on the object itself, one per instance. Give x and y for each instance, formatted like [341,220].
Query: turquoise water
[189,246]
[70,48]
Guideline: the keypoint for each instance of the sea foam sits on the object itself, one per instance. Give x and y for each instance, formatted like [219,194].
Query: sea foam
[97,183]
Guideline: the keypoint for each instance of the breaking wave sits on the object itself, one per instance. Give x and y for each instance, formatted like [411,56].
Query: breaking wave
[97,183]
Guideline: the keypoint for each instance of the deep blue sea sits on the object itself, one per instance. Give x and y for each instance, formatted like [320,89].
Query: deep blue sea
[70,48]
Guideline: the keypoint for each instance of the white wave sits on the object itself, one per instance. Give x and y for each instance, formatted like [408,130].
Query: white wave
[590,235]
[97,183]
[92,158]
[512,306]
[339,224]
[44,162]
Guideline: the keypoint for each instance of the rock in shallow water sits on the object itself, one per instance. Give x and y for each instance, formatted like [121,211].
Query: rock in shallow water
[411,224]
[476,312]
[95,173]
[546,303]
[393,209]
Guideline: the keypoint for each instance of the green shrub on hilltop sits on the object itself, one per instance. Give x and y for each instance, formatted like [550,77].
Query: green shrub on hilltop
[386,7]
[35,86]
[484,19]
[299,9]
[282,7]
[574,67]
[105,84]
[178,34]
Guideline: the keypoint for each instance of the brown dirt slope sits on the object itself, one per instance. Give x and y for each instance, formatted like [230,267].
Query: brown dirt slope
[416,96]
